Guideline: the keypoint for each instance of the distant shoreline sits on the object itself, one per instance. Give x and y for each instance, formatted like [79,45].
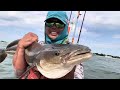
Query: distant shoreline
[106,55]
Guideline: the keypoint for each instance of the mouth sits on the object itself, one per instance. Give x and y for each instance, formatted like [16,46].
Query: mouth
[75,57]
[53,33]
[79,58]
[82,55]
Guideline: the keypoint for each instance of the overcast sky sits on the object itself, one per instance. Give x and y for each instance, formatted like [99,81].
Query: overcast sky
[101,29]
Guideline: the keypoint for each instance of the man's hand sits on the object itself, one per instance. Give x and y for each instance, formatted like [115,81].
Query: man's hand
[27,40]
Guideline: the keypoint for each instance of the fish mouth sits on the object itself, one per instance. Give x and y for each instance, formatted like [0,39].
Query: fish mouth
[79,58]
[80,55]
[75,55]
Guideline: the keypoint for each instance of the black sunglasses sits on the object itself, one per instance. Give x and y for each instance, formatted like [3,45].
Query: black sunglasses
[51,23]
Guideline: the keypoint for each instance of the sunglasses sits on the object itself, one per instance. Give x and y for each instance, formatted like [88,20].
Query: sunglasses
[57,24]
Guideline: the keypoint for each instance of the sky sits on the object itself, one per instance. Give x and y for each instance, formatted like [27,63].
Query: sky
[100,32]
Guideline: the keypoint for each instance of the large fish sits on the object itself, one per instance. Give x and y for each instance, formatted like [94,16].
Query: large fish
[53,60]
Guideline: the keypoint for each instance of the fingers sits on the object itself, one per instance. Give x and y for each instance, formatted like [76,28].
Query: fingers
[32,37]
[28,39]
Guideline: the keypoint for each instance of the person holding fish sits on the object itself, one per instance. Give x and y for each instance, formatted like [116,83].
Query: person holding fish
[56,32]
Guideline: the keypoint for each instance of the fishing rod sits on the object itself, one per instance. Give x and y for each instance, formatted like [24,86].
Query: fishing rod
[69,22]
[81,27]
[70,16]
[75,26]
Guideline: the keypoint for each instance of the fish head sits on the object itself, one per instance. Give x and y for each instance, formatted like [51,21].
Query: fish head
[61,59]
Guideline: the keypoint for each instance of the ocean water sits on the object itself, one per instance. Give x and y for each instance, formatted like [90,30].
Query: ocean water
[6,67]
[98,67]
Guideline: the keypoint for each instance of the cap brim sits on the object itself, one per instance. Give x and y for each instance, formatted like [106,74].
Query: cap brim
[57,18]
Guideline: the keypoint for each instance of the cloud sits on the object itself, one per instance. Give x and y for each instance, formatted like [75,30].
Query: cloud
[106,48]
[117,36]
[106,45]
[22,19]
[103,19]
[85,32]
[10,18]
[7,36]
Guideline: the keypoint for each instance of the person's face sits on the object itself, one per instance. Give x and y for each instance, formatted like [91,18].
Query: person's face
[54,27]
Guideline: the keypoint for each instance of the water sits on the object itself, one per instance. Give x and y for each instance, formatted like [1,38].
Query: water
[98,67]
[6,67]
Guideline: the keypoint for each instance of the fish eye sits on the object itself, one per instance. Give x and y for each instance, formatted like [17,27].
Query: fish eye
[57,53]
